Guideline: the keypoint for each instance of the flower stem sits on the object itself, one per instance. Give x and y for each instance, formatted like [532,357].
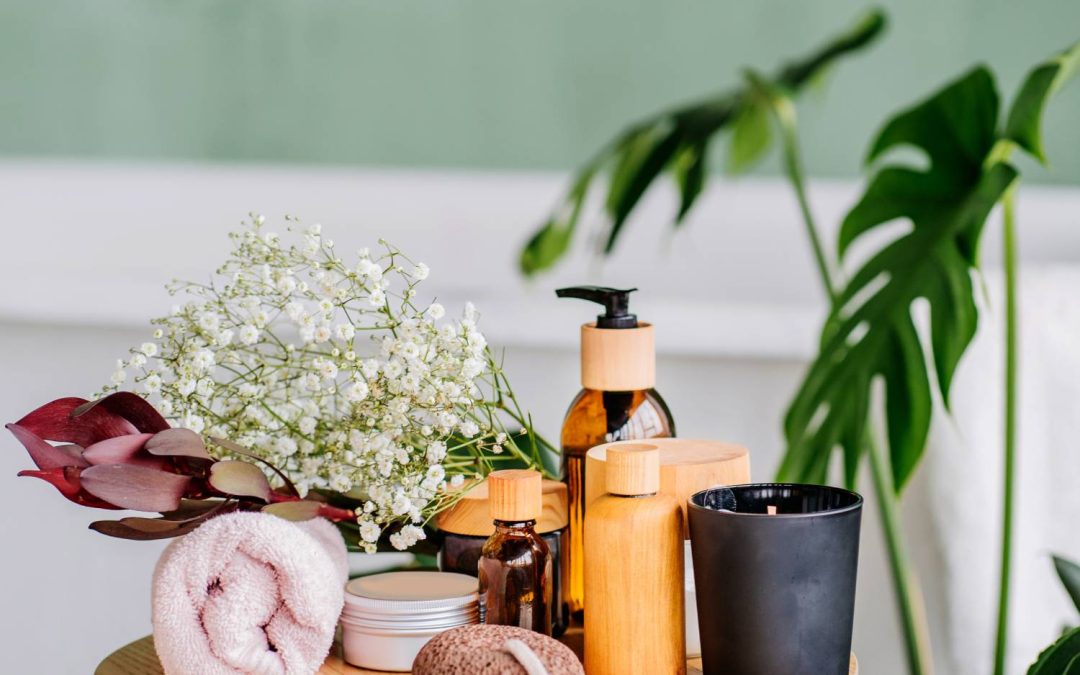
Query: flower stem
[1011,356]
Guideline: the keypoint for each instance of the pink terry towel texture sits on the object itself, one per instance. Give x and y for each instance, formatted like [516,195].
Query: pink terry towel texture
[249,593]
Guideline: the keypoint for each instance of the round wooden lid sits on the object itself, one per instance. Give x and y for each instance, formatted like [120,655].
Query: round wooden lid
[471,515]
[633,469]
[687,465]
[514,495]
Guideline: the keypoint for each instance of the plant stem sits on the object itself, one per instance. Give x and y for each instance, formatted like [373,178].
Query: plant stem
[793,167]
[908,594]
[1011,355]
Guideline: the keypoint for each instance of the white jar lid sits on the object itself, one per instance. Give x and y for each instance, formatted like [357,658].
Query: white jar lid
[405,592]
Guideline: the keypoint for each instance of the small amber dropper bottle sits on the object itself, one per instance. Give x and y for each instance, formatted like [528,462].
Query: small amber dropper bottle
[515,565]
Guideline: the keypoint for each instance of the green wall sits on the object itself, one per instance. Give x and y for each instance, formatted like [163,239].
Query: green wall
[511,84]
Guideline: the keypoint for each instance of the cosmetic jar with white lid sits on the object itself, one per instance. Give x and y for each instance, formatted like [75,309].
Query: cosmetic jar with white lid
[389,617]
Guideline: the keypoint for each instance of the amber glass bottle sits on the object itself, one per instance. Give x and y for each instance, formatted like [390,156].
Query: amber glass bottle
[617,403]
[515,564]
[467,526]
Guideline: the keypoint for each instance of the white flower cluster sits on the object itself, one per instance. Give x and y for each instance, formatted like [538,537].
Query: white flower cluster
[333,373]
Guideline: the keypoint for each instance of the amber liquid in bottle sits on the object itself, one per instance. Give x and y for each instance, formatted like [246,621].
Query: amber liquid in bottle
[597,417]
[515,578]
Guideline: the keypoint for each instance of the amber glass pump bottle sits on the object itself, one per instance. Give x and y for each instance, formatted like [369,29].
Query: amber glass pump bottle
[515,569]
[617,402]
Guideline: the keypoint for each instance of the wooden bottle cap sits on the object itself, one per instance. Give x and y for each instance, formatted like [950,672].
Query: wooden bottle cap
[514,495]
[471,515]
[618,359]
[687,465]
[633,469]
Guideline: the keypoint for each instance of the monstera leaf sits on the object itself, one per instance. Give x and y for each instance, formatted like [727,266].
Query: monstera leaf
[1025,119]
[679,141]
[871,333]
[1069,573]
[1060,658]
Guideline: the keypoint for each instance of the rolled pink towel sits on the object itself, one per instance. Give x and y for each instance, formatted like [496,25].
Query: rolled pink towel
[249,593]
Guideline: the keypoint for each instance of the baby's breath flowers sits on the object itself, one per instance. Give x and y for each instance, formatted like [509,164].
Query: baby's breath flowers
[336,373]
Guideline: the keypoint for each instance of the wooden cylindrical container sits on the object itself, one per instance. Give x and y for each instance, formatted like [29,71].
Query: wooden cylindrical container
[687,466]
[634,571]
[471,515]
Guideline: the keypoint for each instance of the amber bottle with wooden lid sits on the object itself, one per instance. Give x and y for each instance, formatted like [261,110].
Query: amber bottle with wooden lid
[515,568]
[617,402]
[634,570]
[467,526]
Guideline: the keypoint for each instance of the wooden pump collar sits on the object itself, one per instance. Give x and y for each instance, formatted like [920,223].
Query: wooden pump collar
[618,359]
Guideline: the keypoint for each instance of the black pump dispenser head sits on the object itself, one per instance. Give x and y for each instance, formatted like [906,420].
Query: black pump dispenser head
[616,303]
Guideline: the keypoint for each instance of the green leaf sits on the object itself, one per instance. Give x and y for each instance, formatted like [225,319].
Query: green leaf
[632,152]
[551,241]
[676,141]
[863,32]
[870,333]
[1024,126]
[1069,573]
[1060,658]
[690,169]
[632,186]
[751,135]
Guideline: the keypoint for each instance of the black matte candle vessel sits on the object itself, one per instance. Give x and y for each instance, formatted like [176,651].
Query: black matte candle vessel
[775,567]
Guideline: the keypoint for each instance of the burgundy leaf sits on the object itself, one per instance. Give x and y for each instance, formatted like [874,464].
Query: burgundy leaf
[177,443]
[162,528]
[241,479]
[135,487]
[45,455]
[132,407]
[193,508]
[238,449]
[53,422]
[123,450]
[67,480]
[140,529]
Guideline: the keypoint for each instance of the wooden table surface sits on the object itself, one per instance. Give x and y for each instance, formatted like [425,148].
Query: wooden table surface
[139,658]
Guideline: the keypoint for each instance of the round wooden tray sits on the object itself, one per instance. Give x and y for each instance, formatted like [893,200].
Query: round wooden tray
[139,658]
